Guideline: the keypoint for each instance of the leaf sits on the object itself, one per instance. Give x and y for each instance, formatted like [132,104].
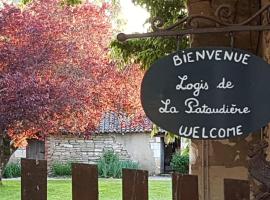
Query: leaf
[170,138]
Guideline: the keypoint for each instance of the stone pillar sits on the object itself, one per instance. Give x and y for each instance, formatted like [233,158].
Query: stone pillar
[265,51]
[213,161]
[265,42]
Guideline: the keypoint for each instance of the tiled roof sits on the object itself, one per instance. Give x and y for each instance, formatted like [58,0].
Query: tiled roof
[121,123]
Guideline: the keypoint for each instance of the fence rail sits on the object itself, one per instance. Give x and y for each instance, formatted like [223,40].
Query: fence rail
[134,184]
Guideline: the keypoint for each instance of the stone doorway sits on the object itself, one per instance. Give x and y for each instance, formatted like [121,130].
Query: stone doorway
[35,150]
[169,150]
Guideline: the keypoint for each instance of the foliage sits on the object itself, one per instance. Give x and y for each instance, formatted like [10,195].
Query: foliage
[61,169]
[114,12]
[25,1]
[168,136]
[67,2]
[12,170]
[180,163]
[146,51]
[111,166]
[185,152]
[169,10]
[72,2]
[55,74]
[143,52]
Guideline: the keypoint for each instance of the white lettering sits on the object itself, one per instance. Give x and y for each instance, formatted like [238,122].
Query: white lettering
[210,55]
[195,132]
[211,133]
[166,109]
[214,133]
[194,107]
[177,60]
[200,55]
[228,56]
[245,59]
[190,59]
[197,87]
[239,58]
[239,130]
[225,84]
[221,133]
[217,55]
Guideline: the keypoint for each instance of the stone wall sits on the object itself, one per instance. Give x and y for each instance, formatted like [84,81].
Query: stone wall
[137,147]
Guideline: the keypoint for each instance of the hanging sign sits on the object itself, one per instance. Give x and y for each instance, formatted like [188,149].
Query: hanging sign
[208,93]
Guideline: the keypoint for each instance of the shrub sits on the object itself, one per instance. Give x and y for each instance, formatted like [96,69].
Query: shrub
[61,169]
[111,166]
[12,170]
[180,163]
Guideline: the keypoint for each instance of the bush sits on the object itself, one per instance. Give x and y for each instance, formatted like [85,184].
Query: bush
[180,163]
[61,169]
[110,166]
[12,170]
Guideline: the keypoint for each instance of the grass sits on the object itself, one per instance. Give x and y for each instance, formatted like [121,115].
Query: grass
[109,189]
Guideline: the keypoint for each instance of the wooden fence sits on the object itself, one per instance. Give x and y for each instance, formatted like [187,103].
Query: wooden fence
[134,184]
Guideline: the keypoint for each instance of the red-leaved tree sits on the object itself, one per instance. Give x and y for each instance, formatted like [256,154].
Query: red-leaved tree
[55,74]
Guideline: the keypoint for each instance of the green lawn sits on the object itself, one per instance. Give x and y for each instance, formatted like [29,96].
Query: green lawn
[108,189]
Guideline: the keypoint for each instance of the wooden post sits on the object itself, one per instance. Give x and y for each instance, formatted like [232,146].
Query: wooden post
[84,182]
[185,187]
[236,189]
[135,184]
[34,179]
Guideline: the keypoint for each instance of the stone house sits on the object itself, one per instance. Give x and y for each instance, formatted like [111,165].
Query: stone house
[115,133]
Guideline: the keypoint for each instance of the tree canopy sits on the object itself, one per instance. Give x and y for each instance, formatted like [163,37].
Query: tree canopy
[55,74]
[146,51]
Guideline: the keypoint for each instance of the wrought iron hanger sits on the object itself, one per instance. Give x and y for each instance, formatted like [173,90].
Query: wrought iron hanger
[189,25]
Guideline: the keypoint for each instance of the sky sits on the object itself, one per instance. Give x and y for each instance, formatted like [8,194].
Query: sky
[135,16]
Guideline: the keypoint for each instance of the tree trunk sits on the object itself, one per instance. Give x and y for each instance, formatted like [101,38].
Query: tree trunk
[5,152]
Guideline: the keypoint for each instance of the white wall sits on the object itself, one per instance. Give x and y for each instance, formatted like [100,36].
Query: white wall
[17,155]
[144,149]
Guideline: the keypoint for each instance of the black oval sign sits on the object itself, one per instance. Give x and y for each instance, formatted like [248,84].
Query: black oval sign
[208,93]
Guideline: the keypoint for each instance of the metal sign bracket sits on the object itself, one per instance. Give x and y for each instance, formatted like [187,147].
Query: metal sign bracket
[190,25]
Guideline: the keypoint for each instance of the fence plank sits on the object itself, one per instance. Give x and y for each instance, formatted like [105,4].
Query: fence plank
[34,179]
[236,189]
[185,187]
[135,184]
[84,182]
